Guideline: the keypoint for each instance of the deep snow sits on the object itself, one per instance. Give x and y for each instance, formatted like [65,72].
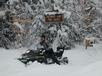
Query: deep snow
[81,63]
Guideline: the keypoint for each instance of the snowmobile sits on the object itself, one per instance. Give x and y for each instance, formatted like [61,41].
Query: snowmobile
[44,56]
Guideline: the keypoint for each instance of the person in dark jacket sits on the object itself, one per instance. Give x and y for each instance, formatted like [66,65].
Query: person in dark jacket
[48,53]
[43,41]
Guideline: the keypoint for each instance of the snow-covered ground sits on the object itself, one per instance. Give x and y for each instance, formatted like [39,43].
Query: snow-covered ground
[81,63]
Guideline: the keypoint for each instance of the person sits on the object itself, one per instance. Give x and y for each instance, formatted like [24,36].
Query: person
[48,53]
[44,42]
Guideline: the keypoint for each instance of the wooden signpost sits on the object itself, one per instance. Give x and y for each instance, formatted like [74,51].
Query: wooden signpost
[54,17]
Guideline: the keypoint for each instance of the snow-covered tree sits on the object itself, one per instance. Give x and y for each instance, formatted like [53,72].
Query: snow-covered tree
[81,18]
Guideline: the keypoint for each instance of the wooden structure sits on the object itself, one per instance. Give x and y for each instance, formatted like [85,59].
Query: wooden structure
[54,17]
[20,20]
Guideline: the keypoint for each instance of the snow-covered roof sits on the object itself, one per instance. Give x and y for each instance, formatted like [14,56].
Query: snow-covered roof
[52,13]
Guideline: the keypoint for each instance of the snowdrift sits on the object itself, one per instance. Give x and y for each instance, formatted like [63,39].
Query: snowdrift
[81,63]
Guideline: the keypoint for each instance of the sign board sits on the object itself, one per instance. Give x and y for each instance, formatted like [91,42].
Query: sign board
[54,17]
